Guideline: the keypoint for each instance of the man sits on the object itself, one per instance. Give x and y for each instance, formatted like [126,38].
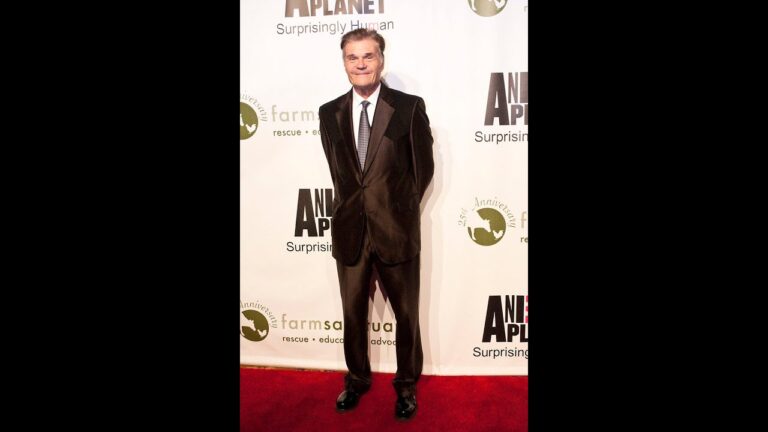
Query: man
[378,146]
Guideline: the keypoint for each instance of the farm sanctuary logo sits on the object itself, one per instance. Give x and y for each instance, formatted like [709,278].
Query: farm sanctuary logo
[487,8]
[487,221]
[255,320]
[251,114]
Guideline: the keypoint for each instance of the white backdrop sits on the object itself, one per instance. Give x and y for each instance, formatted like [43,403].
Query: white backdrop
[469,69]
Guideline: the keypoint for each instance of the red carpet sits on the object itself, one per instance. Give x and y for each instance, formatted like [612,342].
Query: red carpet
[292,400]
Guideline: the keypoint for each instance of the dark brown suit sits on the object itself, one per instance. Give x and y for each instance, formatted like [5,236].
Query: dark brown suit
[376,222]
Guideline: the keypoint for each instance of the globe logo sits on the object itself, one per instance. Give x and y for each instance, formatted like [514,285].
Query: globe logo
[256,328]
[249,121]
[485,226]
[487,8]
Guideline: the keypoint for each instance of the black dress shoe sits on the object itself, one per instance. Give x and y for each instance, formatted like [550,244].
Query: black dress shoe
[347,400]
[405,407]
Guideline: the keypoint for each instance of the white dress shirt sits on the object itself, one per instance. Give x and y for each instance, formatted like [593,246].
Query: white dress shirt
[357,109]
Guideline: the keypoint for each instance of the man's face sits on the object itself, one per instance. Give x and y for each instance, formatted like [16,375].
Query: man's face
[363,63]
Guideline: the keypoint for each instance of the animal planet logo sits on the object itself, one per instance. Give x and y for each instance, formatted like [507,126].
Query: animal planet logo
[313,219]
[329,7]
[514,93]
[506,319]
[249,121]
[487,8]
[313,216]
[485,222]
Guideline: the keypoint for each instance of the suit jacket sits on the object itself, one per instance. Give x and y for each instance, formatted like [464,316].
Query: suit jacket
[383,198]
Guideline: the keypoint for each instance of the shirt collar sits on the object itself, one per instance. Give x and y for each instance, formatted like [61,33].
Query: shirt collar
[356,98]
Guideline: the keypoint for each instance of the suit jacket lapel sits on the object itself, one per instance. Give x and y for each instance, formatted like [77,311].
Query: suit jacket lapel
[384,110]
[344,119]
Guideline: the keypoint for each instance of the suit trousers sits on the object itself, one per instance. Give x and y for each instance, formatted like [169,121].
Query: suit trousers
[401,283]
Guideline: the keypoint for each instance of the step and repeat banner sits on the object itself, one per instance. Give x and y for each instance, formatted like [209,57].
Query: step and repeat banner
[468,60]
